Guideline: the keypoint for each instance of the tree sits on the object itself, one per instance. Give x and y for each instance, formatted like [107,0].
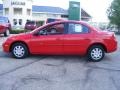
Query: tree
[114,13]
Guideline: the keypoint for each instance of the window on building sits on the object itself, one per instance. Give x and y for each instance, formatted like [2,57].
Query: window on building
[28,12]
[17,11]
[6,11]
[15,21]
[64,16]
[20,21]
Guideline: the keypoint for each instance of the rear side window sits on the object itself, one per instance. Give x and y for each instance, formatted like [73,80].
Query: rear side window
[77,28]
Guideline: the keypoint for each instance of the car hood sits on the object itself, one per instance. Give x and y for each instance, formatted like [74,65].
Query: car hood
[21,36]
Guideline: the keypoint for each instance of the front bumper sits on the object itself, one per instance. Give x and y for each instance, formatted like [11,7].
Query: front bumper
[6,47]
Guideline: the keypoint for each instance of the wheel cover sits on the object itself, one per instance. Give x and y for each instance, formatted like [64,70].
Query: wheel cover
[19,51]
[96,53]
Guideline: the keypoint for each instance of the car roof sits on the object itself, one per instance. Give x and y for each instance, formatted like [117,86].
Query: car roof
[62,21]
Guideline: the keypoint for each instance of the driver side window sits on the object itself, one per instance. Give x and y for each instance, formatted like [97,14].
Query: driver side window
[56,29]
[43,32]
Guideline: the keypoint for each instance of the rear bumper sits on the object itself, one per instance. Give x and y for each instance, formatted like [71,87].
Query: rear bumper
[112,46]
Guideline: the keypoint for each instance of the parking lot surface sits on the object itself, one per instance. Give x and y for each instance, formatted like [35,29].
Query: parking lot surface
[59,72]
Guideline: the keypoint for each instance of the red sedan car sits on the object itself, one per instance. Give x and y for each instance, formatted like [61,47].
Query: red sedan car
[5,26]
[63,38]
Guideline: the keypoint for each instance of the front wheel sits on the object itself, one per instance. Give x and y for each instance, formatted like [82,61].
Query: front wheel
[19,50]
[96,53]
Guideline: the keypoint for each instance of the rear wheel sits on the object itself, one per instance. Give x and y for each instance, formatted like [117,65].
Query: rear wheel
[96,53]
[19,50]
[7,33]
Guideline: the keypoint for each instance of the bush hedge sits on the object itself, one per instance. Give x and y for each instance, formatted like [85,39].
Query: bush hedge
[17,31]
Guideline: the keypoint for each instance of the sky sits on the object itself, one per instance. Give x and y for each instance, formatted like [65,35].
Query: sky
[96,8]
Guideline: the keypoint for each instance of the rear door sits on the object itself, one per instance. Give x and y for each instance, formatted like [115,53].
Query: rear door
[77,39]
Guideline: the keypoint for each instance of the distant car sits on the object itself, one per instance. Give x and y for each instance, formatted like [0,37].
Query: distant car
[31,25]
[63,38]
[5,26]
[49,20]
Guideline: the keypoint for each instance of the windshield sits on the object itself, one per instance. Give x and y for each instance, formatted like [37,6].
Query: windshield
[2,22]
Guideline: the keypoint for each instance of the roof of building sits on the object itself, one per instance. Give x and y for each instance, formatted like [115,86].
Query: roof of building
[84,14]
[49,9]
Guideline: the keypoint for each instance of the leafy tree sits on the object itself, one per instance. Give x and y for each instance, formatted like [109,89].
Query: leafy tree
[114,13]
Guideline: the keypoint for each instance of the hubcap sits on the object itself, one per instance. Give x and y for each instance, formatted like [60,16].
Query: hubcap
[18,51]
[96,53]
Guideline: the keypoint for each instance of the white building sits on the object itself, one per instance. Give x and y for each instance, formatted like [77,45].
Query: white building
[18,12]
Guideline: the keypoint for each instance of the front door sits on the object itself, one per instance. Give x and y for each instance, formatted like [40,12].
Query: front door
[49,40]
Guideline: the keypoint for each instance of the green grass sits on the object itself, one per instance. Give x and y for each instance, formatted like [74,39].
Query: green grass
[17,31]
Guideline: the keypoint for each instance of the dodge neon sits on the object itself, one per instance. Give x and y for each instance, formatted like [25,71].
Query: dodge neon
[63,38]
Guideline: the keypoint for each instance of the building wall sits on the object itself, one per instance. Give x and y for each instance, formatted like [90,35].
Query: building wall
[17,18]
[37,16]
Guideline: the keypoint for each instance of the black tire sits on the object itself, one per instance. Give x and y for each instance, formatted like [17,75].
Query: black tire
[7,33]
[95,56]
[24,50]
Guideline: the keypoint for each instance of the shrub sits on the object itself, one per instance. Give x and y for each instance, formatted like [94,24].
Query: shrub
[17,31]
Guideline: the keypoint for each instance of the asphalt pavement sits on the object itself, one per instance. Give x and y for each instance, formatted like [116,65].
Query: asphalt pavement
[59,72]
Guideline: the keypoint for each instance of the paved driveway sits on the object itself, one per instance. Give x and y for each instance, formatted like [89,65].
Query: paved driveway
[59,72]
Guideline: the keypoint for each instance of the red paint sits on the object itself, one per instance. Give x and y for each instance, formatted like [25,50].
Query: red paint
[63,44]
